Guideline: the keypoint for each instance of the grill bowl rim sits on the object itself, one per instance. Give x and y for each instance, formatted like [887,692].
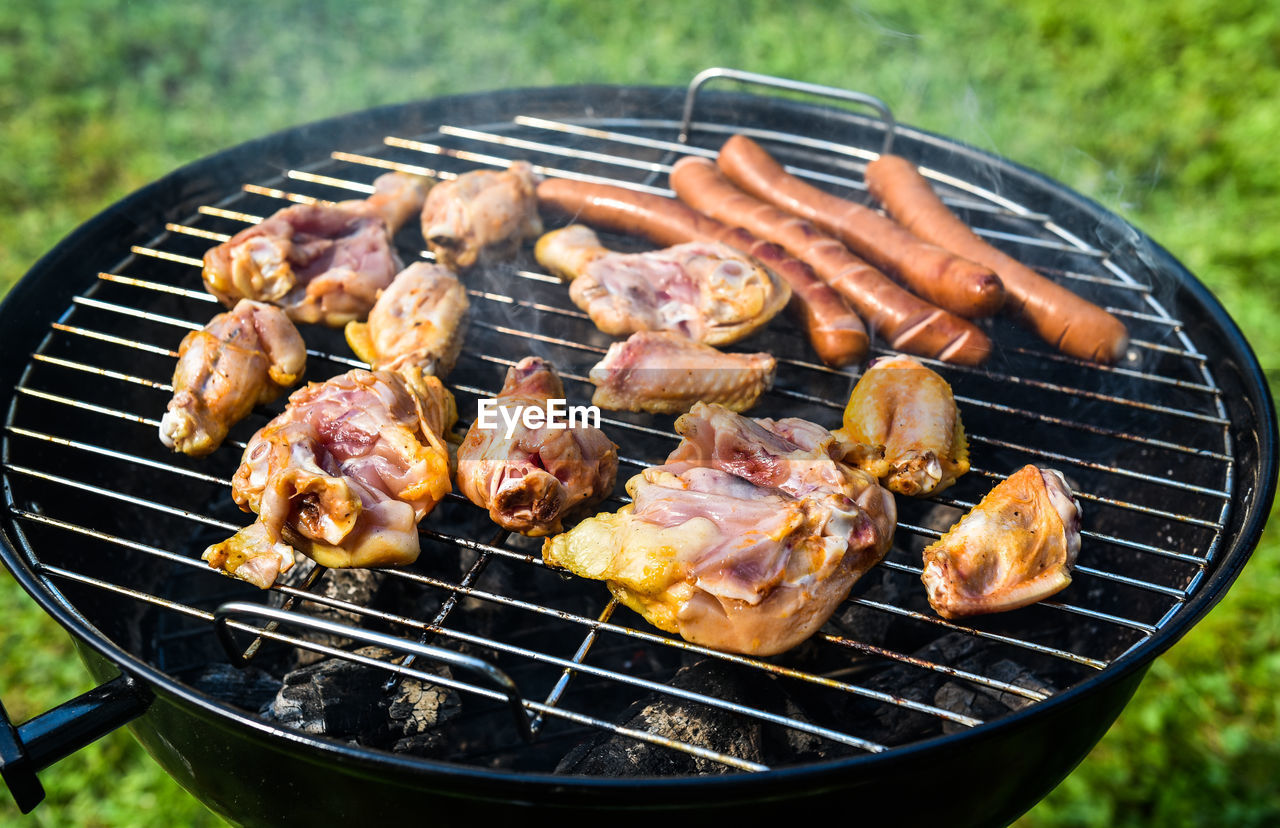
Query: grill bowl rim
[1244,529]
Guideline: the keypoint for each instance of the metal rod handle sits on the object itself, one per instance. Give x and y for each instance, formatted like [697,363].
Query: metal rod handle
[699,80]
[497,679]
[33,746]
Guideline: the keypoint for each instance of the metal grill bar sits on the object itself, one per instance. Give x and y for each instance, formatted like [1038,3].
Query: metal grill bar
[557,692]
[121,496]
[103,372]
[171,257]
[117,455]
[197,232]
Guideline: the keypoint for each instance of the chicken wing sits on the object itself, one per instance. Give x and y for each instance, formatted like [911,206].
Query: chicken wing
[242,358]
[532,478]
[745,540]
[343,475]
[322,262]
[902,425]
[481,215]
[1014,548]
[664,372]
[419,319]
[708,292]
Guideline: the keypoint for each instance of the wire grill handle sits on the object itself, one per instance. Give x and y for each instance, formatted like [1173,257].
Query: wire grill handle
[699,80]
[496,678]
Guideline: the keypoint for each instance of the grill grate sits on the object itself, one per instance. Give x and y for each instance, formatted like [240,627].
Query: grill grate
[101,508]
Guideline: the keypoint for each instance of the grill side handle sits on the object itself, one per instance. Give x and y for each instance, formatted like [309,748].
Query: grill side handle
[31,747]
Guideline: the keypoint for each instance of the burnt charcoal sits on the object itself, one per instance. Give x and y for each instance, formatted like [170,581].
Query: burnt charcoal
[353,586]
[894,724]
[347,700]
[986,703]
[334,697]
[689,722]
[417,712]
[868,624]
[248,687]
[790,745]
[891,724]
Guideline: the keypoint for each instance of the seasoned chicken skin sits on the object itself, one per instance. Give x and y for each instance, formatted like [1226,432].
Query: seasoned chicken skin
[481,215]
[321,263]
[242,358]
[419,319]
[1014,548]
[533,478]
[666,373]
[708,292]
[343,475]
[747,538]
[902,425]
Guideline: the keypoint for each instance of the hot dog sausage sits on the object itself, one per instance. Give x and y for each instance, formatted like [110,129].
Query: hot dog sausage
[945,279]
[835,331]
[905,320]
[1071,323]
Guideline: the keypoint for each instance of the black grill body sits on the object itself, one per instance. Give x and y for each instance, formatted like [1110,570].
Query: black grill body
[1189,406]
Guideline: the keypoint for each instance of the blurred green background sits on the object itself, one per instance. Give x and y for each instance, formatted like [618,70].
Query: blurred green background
[1165,111]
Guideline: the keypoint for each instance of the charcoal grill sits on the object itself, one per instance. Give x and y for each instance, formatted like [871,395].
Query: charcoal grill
[1172,452]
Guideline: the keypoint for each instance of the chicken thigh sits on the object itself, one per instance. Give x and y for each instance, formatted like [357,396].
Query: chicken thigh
[706,291]
[902,425]
[1014,548]
[745,540]
[666,373]
[321,263]
[419,320]
[481,215]
[242,358]
[343,475]
[532,478]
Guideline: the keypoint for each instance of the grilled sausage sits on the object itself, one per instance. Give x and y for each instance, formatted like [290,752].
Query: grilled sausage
[835,331]
[945,279]
[904,319]
[1072,324]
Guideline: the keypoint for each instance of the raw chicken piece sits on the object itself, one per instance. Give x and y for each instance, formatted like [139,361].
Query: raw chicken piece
[666,373]
[242,358]
[747,538]
[1014,548]
[534,478]
[418,320]
[902,425]
[319,262]
[343,475]
[481,215]
[708,292]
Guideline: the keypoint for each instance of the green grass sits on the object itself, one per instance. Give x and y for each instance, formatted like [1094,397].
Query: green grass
[1165,112]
